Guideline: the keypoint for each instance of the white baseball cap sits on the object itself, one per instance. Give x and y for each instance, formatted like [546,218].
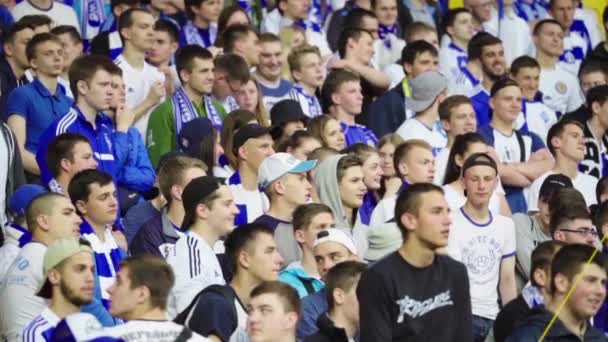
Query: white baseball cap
[280,164]
[336,235]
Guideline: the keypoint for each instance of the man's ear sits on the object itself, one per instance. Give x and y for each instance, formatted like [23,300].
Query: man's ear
[81,207]
[54,276]
[402,168]
[299,234]
[409,221]
[562,283]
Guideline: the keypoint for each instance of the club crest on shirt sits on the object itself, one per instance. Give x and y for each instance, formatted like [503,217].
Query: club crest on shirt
[561,87]
[569,57]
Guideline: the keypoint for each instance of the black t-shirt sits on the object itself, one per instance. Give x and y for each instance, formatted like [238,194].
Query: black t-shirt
[400,302]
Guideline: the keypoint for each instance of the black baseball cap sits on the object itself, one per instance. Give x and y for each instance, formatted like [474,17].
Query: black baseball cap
[196,191]
[192,134]
[552,184]
[286,111]
[247,132]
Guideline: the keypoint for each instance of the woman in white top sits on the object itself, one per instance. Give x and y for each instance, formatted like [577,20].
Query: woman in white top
[464,146]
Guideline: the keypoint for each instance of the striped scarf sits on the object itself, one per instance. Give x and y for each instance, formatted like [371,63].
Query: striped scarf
[107,258]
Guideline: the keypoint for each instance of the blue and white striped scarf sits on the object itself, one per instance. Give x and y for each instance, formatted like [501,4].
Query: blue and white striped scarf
[107,258]
[92,17]
[183,110]
[384,33]
[199,36]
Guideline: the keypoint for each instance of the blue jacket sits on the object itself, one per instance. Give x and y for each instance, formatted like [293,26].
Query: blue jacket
[388,111]
[155,237]
[104,140]
[295,276]
[312,307]
[135,171]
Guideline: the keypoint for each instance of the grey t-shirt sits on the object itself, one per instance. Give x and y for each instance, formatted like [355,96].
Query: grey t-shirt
[528,234]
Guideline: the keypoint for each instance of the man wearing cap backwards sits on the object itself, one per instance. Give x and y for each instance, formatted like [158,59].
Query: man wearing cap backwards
[534,227]
[566,142]
[428,90]
[286,117]
[485,243]
[158,235]
[331,247]
[209,215]
[436,306]
[70,270]
[220,311]
[284,180]
[49,217]
[523,156]
[195,69]
[251,145]
[16,232]
[139,295]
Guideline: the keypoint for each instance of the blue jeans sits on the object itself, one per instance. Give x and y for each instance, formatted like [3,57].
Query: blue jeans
[481,328]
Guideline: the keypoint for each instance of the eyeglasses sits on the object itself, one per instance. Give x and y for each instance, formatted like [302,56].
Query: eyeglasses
[582,231]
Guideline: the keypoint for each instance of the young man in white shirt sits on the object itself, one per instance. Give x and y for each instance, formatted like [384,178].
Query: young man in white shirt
[284,180]
[428,90]
[535,115]
[485,243]
[209,215]
[566,142]
[139,295]
[61,13]
[306,68]
[145,84]
[220,312]
[596,140]
[251,145]
[69,269]
[49,217]
[457,117]
[414,163]
[93,193]
[269,71]
[459,26]
[274,309]
[486,65]
[523,156]
[560,89]
[575,46]
[389,32]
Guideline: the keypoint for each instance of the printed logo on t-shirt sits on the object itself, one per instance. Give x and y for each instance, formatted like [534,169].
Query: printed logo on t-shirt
[414,308]
[481,256]
[561,87]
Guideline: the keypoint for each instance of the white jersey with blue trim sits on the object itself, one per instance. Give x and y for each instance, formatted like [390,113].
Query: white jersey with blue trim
[41,328]
[585,184]
[560,89]
[196,266]
[575,50]
[150,331]
[416,129]
[537,117]
[464,83]
[481,247]
[451,60]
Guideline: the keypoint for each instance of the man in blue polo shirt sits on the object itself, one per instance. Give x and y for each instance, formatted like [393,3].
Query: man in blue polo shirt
[90,81]
[33,107]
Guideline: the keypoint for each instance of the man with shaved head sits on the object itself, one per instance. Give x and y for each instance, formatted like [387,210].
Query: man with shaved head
[49,217]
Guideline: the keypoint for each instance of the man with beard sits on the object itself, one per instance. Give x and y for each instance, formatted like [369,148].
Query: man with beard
[486,65]
[69,268]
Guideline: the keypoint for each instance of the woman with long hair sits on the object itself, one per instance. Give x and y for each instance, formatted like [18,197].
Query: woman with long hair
[464,146]
[328,131]
[372,177]
[249,97]
[391,183]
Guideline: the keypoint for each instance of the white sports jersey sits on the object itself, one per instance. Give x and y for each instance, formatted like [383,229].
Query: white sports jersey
[415,129]
[138,84]
[451,60]
[61,14]
[384,211]
[464,83]
[310,104]
[575,50]
[18,301]
[274,22]
[515,35]
[538,118]
[41,328]
[481,248]
[388,51]
[195,266]
[583,183]
[251,203]
[560,89]
[591,25]
[149,331]
[456,199]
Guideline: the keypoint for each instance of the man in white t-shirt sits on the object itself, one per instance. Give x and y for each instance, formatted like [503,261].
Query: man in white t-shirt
[575,45]
[459,26]
[144,83]
[69,270]
[485,243]
[566,142]
[49,217]
[414,163]
[457,117]
[60,13]
[560,88]
[209,214]
[427,91]
[139,296]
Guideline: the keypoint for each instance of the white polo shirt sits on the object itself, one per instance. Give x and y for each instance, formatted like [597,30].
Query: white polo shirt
[560,89]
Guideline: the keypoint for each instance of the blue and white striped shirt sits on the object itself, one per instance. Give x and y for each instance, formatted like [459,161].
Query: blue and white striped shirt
[41,328]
